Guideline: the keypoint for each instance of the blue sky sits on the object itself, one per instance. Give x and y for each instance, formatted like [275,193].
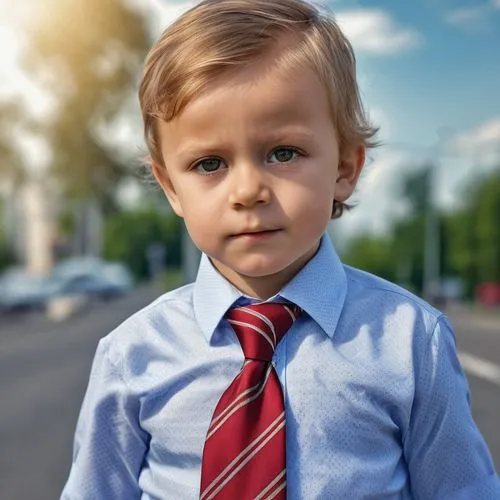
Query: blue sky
[450,78]
[433,84]
[429,72]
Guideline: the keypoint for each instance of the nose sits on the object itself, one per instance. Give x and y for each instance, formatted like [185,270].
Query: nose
[249,186]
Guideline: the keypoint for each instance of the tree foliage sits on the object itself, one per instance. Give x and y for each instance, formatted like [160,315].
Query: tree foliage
[129,234]
[474,234]
[6,257]
[12,168]
[415,188]
[86,53]
[374,254]
[469,237]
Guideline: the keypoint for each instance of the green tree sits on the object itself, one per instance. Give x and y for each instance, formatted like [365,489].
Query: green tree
[12,166]
[373,254]
[6,257]
[409,234]
[487,201]
[399,256]
[474,234]
[407,242]
[415,189]
[469,237]
[129,234]
[86,53]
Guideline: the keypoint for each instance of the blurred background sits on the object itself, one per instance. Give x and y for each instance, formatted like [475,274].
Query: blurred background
[86,238]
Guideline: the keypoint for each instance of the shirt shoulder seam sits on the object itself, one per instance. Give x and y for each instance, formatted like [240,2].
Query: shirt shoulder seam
[409,296]
[431,332]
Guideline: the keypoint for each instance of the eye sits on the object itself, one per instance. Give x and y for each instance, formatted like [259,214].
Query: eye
[283,155]
[209,165]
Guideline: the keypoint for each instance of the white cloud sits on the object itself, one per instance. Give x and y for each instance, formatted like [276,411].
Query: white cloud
[472,17]
[381,119]
[369,30]
[480,144]
[376,201]
[463,157]
[162,13]
[375,31]
[468,16]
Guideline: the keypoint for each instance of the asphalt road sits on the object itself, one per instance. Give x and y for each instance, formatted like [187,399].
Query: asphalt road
[44,369]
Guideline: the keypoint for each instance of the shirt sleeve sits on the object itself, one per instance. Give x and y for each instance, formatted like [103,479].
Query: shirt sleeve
[446,455]
[109,444]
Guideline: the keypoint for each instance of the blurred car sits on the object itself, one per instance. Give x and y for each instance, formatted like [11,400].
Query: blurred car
[488,294]
[89,277]
[20,290]
[77,266]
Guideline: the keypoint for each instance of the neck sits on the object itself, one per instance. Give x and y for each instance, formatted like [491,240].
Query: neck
[264,287]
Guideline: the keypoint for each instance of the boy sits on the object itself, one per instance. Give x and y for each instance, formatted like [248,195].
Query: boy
[256,130]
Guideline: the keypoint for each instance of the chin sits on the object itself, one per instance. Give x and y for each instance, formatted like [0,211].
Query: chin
[261,269]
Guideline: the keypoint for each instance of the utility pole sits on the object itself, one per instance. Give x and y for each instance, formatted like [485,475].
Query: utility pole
[432,243]
[432,249]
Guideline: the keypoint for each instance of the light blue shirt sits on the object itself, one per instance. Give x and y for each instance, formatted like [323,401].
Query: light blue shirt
[377,405]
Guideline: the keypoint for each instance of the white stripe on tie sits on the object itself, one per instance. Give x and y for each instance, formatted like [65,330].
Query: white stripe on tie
[253,327]
[258,443]
[277,490]
[265,319]
[290,312]
[240,405]
[236,400]
[243,368]
[270,485]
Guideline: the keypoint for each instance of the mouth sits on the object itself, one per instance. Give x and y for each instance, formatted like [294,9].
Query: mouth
[256,233]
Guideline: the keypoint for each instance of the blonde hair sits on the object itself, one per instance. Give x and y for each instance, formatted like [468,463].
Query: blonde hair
[217,35]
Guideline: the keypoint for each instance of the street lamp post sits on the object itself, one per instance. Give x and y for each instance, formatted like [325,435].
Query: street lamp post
[432,249]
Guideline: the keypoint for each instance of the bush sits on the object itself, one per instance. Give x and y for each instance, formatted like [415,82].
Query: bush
[128,235]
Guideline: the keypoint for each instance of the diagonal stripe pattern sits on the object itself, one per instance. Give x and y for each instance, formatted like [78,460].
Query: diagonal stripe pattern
[244,453]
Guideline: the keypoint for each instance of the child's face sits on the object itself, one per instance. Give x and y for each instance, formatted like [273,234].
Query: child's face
[252,166]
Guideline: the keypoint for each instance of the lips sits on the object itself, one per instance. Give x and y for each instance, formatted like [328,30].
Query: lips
[257,232]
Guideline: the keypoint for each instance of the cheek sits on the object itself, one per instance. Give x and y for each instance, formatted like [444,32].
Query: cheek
[201,231]
[308,216]
[202,218]
[313,198]
[199,202]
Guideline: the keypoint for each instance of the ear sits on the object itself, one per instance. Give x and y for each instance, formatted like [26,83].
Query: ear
[350,166]
[161,175]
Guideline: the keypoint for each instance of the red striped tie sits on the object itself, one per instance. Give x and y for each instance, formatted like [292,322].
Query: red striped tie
[244,454]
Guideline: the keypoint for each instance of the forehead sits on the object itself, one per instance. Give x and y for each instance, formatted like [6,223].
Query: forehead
[258,97]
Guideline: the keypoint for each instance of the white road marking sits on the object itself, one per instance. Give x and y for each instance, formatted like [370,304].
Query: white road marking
[480,367]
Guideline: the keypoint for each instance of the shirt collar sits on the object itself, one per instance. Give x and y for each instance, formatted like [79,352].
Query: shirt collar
[319,289]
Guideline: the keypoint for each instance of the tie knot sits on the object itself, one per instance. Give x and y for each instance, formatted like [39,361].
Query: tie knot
[260,327]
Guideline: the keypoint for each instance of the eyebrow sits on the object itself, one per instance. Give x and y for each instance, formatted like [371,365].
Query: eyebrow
[198,149]
[284,134]
[294,132]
